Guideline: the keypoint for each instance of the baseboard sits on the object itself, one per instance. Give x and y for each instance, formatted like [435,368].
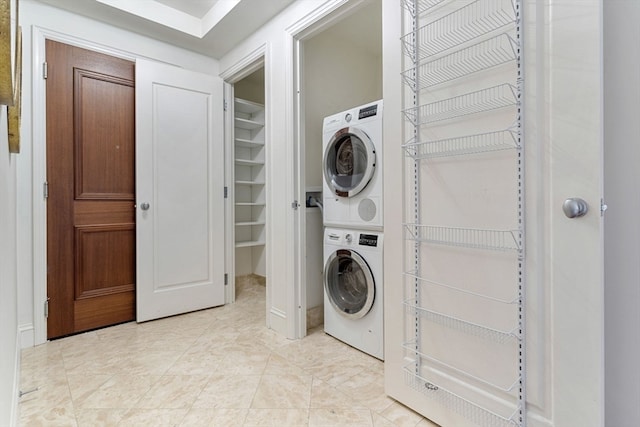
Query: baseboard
[27,335]
[278,321]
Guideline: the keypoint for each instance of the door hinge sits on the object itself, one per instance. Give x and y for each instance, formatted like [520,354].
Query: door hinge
[226,192]
[46,309]
[603,207]
[224,104]
[295,205]
[45,70]
[226,279]
[45,190]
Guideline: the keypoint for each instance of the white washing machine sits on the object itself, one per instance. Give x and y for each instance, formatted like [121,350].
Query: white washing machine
[353,301]
[352,164]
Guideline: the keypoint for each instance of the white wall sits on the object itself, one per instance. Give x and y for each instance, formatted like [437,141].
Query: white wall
[32,15]
[9,346]
[622,228]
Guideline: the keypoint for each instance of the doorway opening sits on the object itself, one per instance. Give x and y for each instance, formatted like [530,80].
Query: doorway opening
[339,67]
[248,182]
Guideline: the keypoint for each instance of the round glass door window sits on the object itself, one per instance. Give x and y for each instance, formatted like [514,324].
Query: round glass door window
[349,162]
[349,284]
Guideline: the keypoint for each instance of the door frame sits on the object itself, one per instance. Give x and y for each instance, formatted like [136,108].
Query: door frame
[39,205]
[241,69]
[297,34]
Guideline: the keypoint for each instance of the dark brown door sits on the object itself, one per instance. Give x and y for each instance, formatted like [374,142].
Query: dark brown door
[91,176]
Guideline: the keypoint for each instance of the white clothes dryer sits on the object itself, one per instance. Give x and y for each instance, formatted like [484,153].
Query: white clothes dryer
[353,301]
[352,165]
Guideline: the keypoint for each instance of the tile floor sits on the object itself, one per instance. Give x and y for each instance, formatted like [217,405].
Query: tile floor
[217,367]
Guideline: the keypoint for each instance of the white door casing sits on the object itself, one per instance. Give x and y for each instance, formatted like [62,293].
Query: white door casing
[179,190]
[564,257]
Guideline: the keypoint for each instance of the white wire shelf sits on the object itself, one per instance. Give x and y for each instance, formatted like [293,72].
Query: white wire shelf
[468,409]
[488,99]
[421,7]
[412,347]
[463,145]
[462,25]
[474,238]
[469,328]
[478,57]
[414,276]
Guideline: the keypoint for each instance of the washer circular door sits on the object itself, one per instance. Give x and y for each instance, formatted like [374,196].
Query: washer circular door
[349,161]
[349,284]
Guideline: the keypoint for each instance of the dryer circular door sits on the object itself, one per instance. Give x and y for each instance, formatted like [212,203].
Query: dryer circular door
[349,284]
[349,161]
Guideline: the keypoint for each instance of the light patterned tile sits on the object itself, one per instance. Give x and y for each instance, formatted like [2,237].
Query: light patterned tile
[228,391]
[49,417]
[283,391]
[119,391]
[99,417]
[173,392]
[400,415]
[340,417]
[152,417]
[210,417]
[324,395]
[277,418]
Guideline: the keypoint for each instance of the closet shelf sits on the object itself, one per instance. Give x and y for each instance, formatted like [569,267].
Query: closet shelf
[474,238]
[476,19]
[478,57]
[411,346]
[246,162]
[248,143]
[469,328]
[250,204]
[247,107]
[247,124]
[463,145]
[465,407]
[249,223]
[416,277]
[492,98]
[249,244]
[257,183]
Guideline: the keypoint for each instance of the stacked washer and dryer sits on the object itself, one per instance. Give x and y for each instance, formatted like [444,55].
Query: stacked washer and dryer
[353,238]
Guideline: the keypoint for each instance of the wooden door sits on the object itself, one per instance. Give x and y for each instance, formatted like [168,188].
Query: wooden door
[91,239]
[180,190]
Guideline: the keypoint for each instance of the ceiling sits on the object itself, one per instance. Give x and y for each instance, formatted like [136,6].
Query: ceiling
[210,27]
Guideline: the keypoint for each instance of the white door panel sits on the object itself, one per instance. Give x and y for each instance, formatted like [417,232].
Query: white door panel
[180,181]
[563,273]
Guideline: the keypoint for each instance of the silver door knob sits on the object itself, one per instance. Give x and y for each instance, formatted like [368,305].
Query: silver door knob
[575,207]
[144,206]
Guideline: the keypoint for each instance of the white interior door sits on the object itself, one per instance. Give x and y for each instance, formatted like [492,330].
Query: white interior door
[179,186]
[563,278]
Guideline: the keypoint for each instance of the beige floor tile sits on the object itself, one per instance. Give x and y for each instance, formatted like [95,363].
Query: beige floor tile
[324,395]
[152,417]
[400,415]
[49,417]
[277,418]
[283,392]
[119,391]
[208,417]
[228,392]
[339,417]
[99,417]
[173,392]
[215,367]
